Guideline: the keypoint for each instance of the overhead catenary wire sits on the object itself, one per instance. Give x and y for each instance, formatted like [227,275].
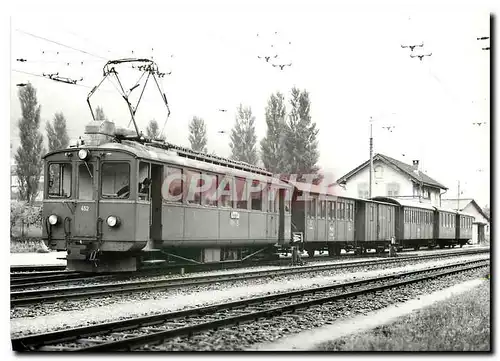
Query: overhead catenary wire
[61,44]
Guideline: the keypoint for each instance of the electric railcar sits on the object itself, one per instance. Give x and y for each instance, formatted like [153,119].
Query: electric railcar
[107,203]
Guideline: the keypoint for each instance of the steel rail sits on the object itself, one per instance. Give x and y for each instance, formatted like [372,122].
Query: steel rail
[47,295]
[80,335]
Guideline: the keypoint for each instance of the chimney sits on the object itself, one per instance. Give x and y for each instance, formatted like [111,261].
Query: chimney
[415,164]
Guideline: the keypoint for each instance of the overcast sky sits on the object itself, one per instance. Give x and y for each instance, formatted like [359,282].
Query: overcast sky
[349,60]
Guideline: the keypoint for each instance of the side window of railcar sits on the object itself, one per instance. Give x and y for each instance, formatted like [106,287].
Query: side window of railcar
[192,194]
[209,193]
[172,185]
[85,181]
[271,198]
[322,209]
[241,193]
[256,196]
[225,192]
[144,181]
[115,180]
[312,207]
[59,183]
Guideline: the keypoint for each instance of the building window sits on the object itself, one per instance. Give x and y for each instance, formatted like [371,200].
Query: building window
[416,190]
[363,190]
[379,172]
[392,189]
[427,193]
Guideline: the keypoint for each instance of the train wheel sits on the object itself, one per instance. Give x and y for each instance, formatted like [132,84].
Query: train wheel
[461,245]
[331,251]
[441,245]
[310,253]
[416,248]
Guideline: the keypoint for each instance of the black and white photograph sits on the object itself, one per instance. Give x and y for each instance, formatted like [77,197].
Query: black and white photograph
[250,177]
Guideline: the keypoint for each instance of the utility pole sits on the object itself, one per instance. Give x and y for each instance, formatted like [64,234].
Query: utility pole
[371,158]
[458,198]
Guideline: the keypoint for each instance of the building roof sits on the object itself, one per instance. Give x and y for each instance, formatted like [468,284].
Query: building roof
[398,165]
[462,203]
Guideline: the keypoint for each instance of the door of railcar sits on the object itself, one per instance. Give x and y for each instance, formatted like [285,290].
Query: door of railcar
[321,222]
[86,206]
[349,232]
[311,229]
[156,201]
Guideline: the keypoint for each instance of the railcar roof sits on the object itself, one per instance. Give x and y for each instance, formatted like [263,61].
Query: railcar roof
[404,202]
[148,152]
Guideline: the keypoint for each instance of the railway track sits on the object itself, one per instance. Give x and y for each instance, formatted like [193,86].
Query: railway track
[37,268]
[134,333]
[20,298]
[22,280]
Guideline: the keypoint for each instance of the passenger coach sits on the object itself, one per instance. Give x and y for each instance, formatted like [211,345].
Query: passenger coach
[329,222]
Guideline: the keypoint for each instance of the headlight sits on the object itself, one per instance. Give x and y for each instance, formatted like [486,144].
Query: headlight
[113,221]
[83,154]
[53,219]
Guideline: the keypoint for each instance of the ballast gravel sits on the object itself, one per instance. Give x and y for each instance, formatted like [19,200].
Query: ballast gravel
[67,314]
[241,288]
[246,336]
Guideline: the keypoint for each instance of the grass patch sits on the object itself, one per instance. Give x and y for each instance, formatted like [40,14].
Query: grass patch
[28,246]
[461,323]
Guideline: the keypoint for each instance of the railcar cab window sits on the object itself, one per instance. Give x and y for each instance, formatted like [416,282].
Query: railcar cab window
[59,184]
[256,196]
[115,180]
[85,181]
[144,181]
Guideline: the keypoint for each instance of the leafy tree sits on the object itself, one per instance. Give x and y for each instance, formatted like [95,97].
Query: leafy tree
[57,134]
[487,211]
[99,114]
[28,157]
[153,130]
[243,137]
[273,147]
[198,134]
[301,143]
